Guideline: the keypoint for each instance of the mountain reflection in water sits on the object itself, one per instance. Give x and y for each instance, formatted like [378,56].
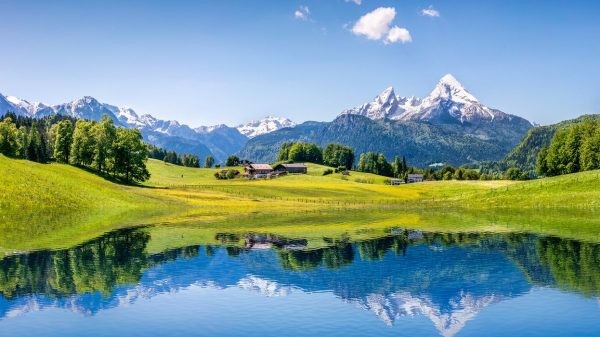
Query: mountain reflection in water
[448,278]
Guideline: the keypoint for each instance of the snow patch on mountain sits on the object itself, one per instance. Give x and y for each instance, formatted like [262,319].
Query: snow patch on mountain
[265,125]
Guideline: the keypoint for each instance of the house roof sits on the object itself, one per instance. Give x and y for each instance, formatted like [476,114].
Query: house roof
[261,166]
[415,175]
[293,165]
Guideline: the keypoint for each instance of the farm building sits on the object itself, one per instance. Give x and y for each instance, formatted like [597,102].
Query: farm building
[396,182]
[291,168]
[258,169]
[415,178]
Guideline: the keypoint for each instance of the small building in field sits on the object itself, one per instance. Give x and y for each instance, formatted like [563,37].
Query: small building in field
[396,182]
[414,178]
[258,169]
[291,168]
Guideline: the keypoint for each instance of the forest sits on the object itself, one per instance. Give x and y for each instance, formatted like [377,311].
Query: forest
[573,149]
[102,147]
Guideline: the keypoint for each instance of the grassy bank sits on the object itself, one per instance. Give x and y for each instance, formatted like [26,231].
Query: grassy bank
[53,205]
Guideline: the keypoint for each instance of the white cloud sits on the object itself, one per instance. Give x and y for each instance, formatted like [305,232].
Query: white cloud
[431,12]
[358,2]
[398,34]
[376,25]
[302,13]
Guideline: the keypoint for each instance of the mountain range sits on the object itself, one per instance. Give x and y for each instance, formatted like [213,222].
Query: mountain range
[218,141]
[448,126]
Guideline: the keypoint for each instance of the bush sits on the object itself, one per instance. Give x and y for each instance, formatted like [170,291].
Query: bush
[327,172]
[227,174]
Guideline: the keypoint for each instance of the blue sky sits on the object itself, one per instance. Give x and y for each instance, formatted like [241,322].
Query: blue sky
[208,62]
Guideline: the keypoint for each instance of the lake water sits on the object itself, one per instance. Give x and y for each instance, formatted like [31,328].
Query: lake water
[406,283]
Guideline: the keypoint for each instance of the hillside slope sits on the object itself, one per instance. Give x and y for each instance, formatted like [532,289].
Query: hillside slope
[46,201]
[525,154]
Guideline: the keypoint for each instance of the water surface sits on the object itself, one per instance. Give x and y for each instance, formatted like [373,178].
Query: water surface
[404,283]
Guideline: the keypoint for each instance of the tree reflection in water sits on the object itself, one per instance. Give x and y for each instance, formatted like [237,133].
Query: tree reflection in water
[120,258]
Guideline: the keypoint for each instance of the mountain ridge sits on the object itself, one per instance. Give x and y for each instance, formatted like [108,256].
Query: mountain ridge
[449,126]
[218,140]
[449,101]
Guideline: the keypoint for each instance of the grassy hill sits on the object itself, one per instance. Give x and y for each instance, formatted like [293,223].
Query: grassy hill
[54,206]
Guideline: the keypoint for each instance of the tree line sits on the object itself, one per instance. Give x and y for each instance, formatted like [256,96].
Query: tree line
[341,156]
[335,155]
[188,160]
[571,150]
[100,146]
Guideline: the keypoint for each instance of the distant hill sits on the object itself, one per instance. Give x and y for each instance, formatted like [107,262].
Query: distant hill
[525,154]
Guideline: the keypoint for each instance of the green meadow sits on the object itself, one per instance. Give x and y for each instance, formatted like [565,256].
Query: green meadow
[58,206]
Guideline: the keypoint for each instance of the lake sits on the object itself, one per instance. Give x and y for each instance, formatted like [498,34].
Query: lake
[399,283]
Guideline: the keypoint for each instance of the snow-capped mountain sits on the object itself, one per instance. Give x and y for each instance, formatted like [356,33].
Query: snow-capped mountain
[448,102]
[392,308]
[265,125]
[218,140]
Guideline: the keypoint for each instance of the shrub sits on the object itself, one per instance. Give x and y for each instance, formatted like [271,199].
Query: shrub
[327,172]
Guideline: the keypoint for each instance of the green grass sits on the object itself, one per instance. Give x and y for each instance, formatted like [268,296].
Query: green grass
[57,206]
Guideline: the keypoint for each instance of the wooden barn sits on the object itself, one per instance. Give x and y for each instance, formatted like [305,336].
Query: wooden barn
[258,169]
[291,168]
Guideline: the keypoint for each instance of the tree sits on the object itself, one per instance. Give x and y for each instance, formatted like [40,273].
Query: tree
[36,147]
[514,173]
[9,138]
[376,163]
[383,167]
[590,149]
[82,147]
[209,161]
[337,155]
[23,136]
[284,152]
[542,165]
[232,161]
[191,160]
[63,140]
[301,152]
[104,134]
[399,168]
[571,150]
[130,155]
